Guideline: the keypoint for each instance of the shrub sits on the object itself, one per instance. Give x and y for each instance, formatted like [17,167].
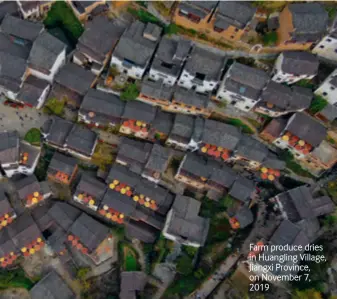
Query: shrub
[33,136]
[54,106]
[184,265]
[317,104]
[82,272]
[171,29]
[130,93]
[270,38]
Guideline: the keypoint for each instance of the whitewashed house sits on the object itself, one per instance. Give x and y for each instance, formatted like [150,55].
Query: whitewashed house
[242,86]
[328,88]
[135,49]
[169,60]
[293,66]
[46,57]
[202,71]
[29,9]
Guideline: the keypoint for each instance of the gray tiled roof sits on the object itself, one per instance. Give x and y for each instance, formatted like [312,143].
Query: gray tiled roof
[131,283]
[134,149]
[91,233]
[99,37]
[183,126]
[329,112]
[245,80]
[92,186]
[220,134]
[9,147]
[163,122]
[325,152]
[307,129]
[224,176]
[32,90]
[309,18]
[242,189]
[46,49]
[134,47]
[8,7]
[158,159]
[6,244]
[58,131]
[7,46]
[106,107]
[185,221]
[64,214]
[190,97]
[81,139]
[236,13]
[156,89]
[198,8]
[62,163]
[12,70]
[205,62]
[52,286]
[119,202]
[24,29]
[75,78]
[245,216]
[197,165]
[322,205]
[32,151]
[251,149]
[27,186]
[170,55]
[139,111]
[141,231]
[299,63]
[124,175]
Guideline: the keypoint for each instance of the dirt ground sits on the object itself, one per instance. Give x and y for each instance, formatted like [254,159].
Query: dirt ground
[15,293]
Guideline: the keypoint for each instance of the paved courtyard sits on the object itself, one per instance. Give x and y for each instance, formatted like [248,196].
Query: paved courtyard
[20,119]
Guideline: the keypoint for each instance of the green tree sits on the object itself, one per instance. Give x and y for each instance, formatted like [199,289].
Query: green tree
[82,272]
[270,38]
[317,104]
[330,221]
[33,136]
[190,250]
[184,265]
[171,29]
[130,93]
[54,106]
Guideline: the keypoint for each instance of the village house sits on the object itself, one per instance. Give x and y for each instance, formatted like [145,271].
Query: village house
[26,235]
[8,251]
[85,9]
[202,70]
[273,130]
[91,238]
[327,115]
[194,171]
[155,93]
[135,49]
[141,231]
[242,218]
[242,86]
[186,132]
[89,192]
[54,220]
[301,25]
[133,154]
[95,45]
[47,56]
[101,109]
[17,156]
[321,159]
[189,102]
[70,138]
[326,47]
[8,45]
[132,284]
[298,204]
[328,88]
[278,99]
[62,169]
[8,8]
[53,285]
[219,140]
[157,163]
[33,92]
[220,181]
[293,66]
[30,192]
[301,135]
[169,59]
[7,213]
[20,31]
[231,20]
[72,83]
[194,15]
[243,190]
[161,125]
[137,119]
[29,9]
[183,223]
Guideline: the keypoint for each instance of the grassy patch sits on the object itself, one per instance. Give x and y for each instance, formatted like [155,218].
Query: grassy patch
[103,155]
[317,104]
[33,136]
[171,29]
[54,106]
[270,38]
[294,166]
[14,279]
[129,258]
[61,15]
[238,123]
